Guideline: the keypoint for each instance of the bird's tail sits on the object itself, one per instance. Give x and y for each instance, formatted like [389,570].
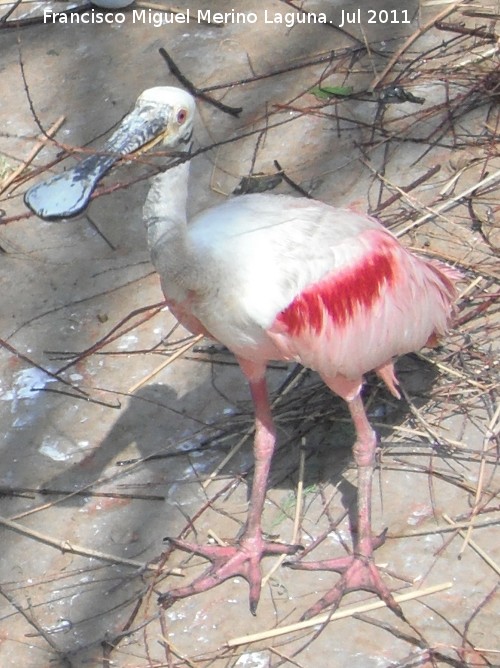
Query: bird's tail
[447,278]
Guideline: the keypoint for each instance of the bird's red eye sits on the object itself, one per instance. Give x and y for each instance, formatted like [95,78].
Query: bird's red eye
[181,116]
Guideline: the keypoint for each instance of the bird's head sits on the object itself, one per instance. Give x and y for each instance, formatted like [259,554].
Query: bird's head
[161,116]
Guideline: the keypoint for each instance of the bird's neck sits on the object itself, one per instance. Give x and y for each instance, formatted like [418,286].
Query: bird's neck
[165,208]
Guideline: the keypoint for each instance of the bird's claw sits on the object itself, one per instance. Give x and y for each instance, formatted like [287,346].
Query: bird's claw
[228,561]
[358,573]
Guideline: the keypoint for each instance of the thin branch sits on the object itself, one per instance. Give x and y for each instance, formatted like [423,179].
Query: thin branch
[65,546]
[197,92]
[413,38]
[340,614]
[42,141]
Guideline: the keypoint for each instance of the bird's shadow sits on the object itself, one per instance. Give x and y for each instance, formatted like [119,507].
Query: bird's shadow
[155,433]
[149,435]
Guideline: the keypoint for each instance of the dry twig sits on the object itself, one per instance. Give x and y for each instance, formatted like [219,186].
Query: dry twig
[339,614]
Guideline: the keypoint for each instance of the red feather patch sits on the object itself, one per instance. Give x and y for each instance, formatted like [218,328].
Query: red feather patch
[343,294]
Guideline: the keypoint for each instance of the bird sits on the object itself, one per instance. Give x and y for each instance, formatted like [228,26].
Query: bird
[275,277]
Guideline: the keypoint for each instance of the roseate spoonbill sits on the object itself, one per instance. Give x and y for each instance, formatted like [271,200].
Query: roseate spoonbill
[274,277]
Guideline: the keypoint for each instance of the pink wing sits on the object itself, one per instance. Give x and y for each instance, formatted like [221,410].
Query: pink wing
[386,303]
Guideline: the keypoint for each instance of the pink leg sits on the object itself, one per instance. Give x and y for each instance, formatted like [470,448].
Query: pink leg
[244,558]
[358,570]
